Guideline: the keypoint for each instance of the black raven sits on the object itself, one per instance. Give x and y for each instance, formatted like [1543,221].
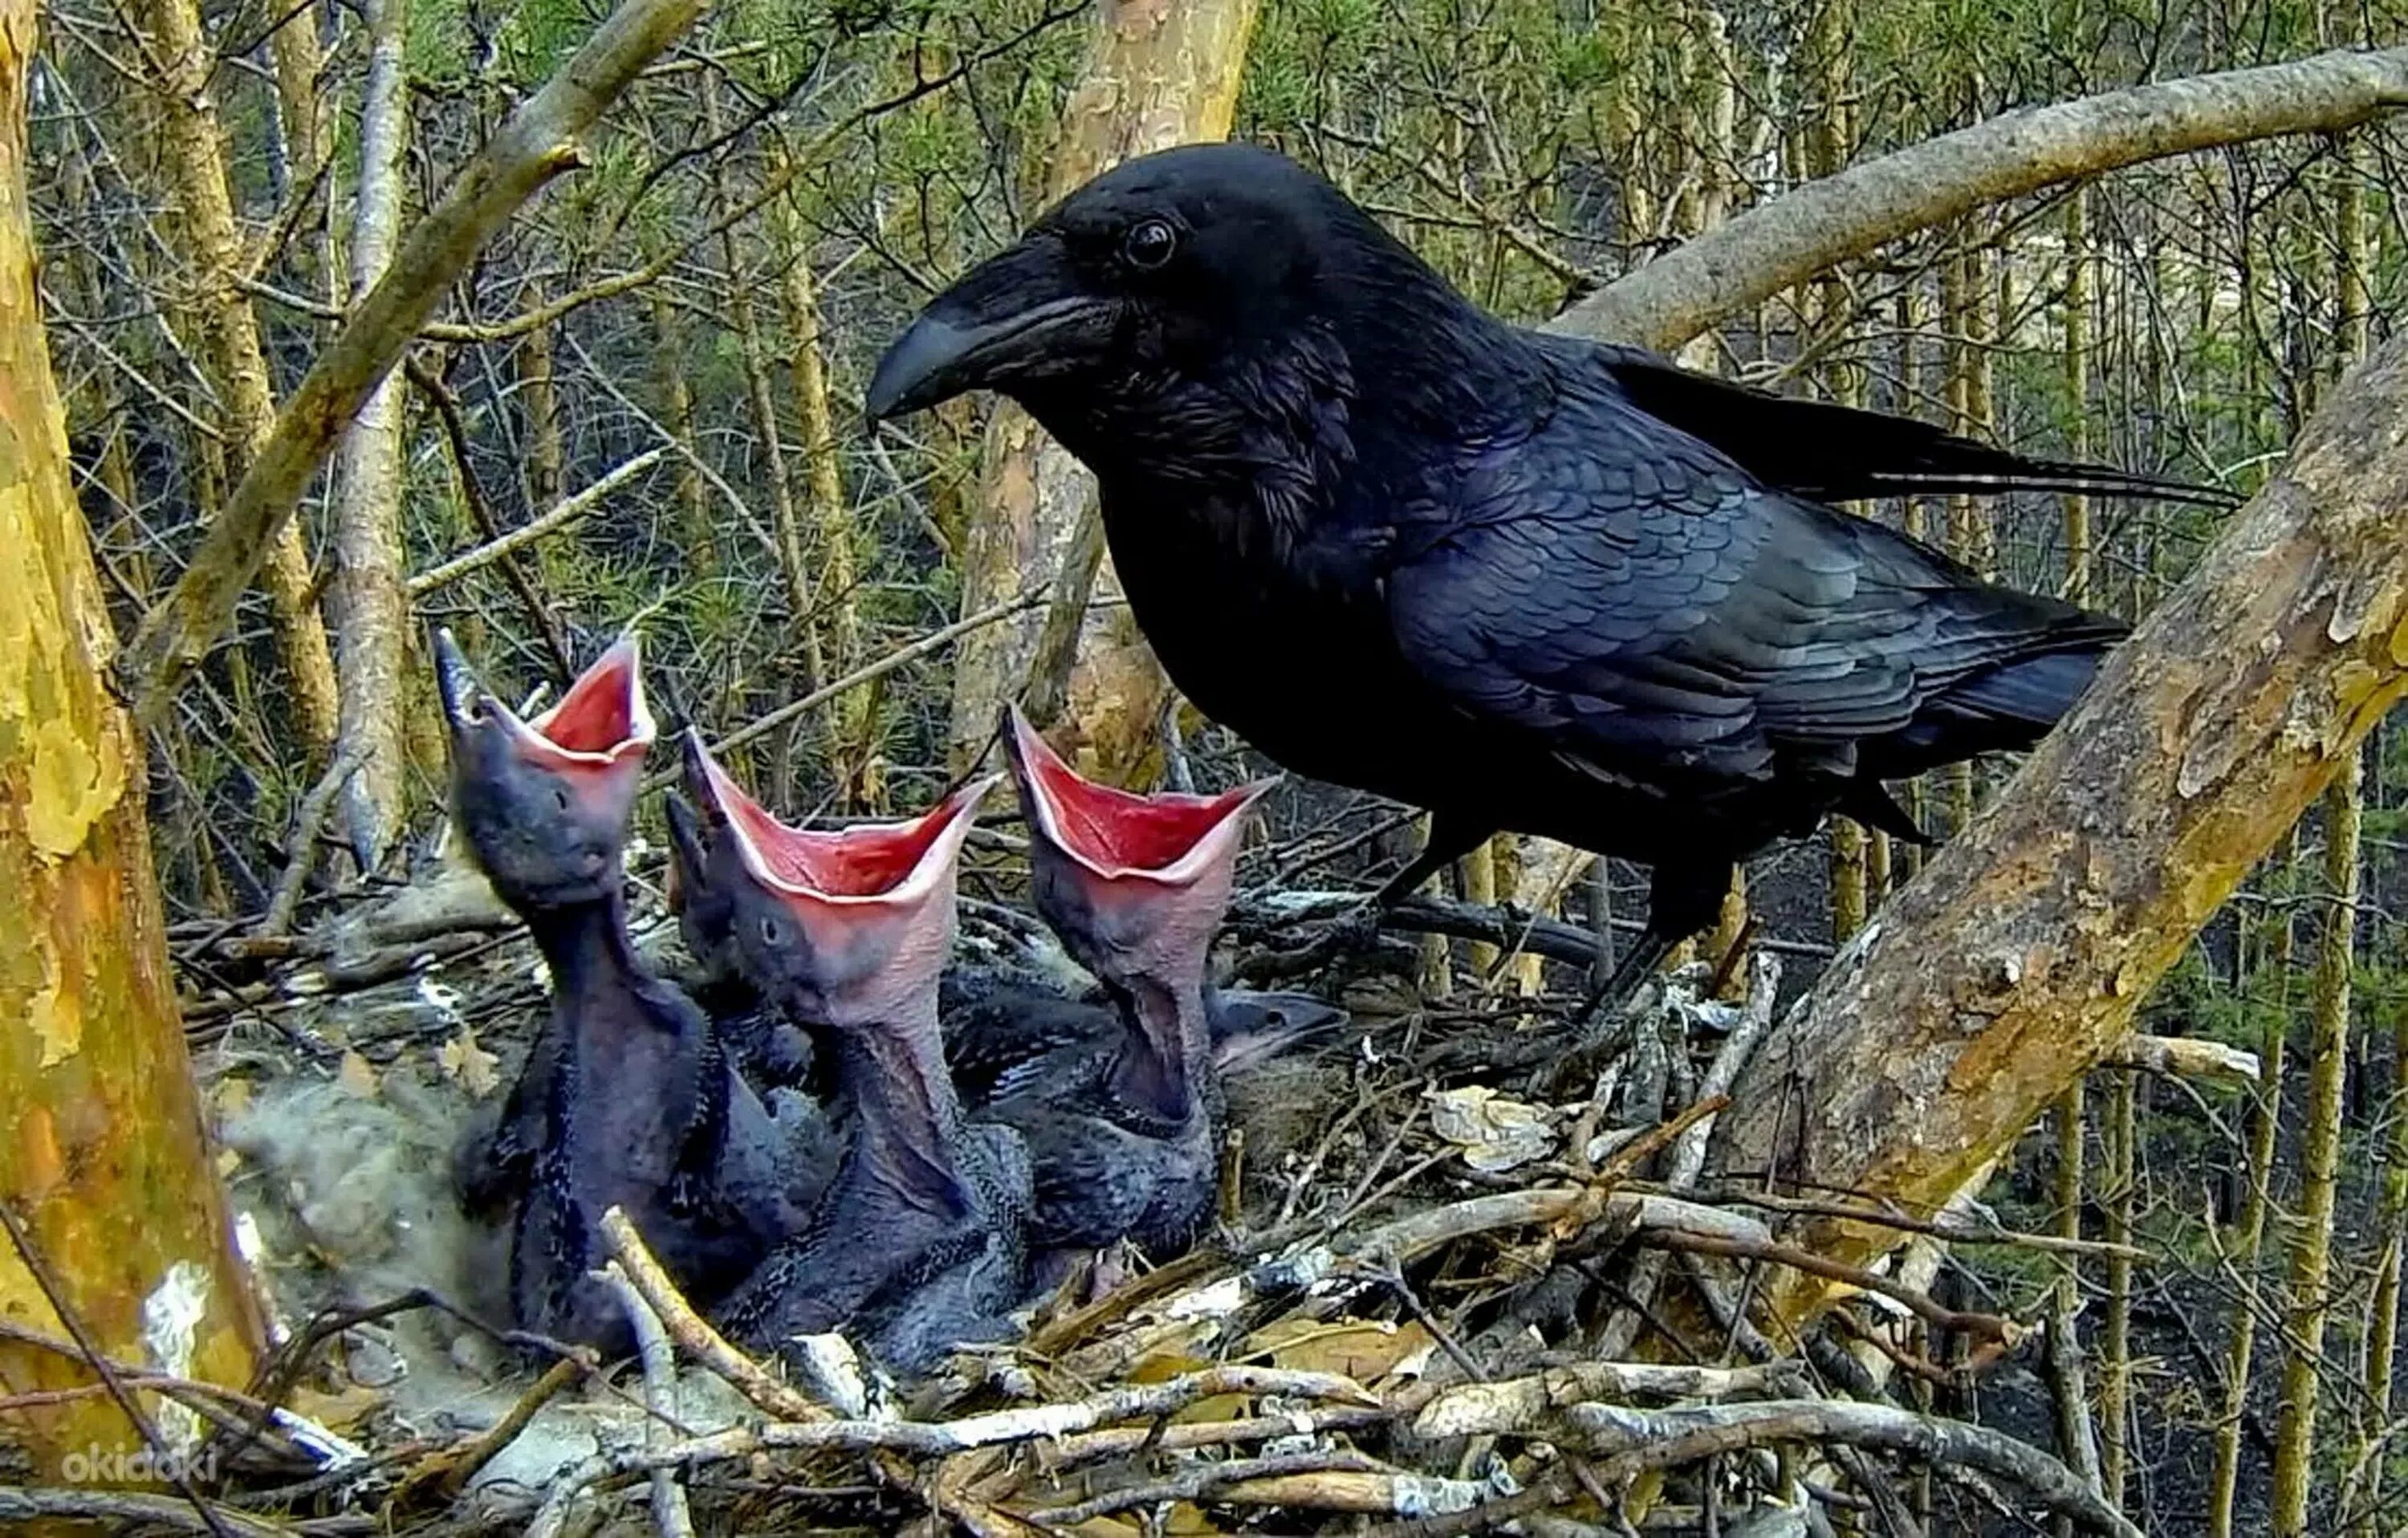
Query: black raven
[1527,581]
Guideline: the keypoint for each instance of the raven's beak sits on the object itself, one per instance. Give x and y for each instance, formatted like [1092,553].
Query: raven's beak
[1018,315]
[694,765]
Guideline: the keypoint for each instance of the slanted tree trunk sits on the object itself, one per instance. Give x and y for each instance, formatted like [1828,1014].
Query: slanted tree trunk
[373,637]
[1159,74]
[2308,1301]
[102,1155]
[2018,957]
[192,146]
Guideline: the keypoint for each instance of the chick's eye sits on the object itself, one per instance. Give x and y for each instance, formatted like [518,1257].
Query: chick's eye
[1149,243]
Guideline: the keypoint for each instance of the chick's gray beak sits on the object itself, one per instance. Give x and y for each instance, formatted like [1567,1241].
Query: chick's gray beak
[1016,315]
[456,681]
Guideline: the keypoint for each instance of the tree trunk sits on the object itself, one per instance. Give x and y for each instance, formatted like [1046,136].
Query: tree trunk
[676,401]
[193,145]
[2308,1301]
[1963,297]
[373,639]
[102,1155]
[2115,1334]
[787,524]
[2018,957]
[1160,73]
[309,137]
[2265,1127]
[2070,1114]
[547,455]
[853,719]
[2077,390]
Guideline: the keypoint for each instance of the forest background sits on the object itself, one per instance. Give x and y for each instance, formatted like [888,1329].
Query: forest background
[641,401]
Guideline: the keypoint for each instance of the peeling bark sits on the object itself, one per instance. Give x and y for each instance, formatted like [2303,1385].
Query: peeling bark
[101,1148]
[1985,988]
[1160,73]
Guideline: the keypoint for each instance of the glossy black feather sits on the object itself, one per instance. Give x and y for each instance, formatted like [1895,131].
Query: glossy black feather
[1527,581]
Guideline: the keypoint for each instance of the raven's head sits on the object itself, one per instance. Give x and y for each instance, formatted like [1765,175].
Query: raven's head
[1220,264]
[846,927]
[544,803]
[1134,884]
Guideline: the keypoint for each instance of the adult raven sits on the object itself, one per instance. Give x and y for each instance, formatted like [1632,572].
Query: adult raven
[1526,582]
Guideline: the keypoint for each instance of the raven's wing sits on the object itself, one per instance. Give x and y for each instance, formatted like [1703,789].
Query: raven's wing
[1652,612]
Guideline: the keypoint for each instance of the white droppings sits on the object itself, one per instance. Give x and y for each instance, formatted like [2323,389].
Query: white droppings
[171,1317]
[443,1001]
[1217,1301]
[330,1448]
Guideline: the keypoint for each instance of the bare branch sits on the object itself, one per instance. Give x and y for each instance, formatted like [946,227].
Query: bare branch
[538,143]
[1790,239]
[565,511]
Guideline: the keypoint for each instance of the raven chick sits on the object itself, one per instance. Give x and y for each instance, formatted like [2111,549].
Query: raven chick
[1526,582]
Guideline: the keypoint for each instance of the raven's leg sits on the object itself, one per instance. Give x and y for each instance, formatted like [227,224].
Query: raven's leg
[1450,838]
[1682,900]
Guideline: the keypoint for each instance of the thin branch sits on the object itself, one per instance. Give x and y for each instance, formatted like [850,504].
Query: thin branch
[934,641]
[301,849]
[538,143]
[1792,238]
[562,514]
[691,1330]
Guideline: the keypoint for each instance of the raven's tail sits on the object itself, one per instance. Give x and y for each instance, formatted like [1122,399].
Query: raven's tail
[2032,691]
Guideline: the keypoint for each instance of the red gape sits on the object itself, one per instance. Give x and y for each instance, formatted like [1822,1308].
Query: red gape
[867,861]
[599,711]
[1118,833]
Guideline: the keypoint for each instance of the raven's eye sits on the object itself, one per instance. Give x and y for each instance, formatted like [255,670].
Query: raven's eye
[1149,243]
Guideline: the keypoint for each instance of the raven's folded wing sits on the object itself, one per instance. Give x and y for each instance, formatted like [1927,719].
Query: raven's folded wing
[1650,612]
